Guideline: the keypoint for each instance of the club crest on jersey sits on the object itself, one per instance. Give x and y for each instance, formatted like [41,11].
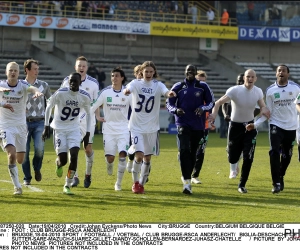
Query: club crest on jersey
[20,92]
[197,94]
[123,99]
[290,93]
[277,95]
[87,89]
[109,99]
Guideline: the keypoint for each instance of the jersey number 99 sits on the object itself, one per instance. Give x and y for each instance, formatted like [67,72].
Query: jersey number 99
[67,112]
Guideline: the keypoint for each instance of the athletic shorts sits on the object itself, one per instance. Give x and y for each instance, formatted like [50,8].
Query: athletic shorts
[113,144]
[148,143]
[16,136]
[64,140]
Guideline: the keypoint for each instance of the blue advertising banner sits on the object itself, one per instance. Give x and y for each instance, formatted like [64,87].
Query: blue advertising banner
[276,34]
[258,33]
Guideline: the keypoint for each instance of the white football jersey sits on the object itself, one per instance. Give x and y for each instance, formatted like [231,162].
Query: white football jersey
[115,109]
[17,98]
[243,102]
[91,86]
[281,101]
[68,105]
[146,98]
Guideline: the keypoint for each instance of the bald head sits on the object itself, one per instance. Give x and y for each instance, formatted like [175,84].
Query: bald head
[250,78]
[12,72]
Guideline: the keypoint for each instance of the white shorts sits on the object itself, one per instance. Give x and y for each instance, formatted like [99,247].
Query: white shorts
[148,143]
[83,130]
[65,140]
[113,144]
[16,136]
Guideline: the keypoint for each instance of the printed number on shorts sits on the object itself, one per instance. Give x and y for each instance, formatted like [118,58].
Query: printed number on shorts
[67,112]
[57,143]
[2,135]
[148,106]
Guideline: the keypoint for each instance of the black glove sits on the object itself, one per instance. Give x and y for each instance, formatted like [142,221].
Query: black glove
[46,133]
[86,139]
[180,112]
[199,111]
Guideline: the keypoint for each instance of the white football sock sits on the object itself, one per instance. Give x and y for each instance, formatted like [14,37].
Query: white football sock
[121,170]
[233,166]
[136,170]
[14,175]
[89,163]
[145,170]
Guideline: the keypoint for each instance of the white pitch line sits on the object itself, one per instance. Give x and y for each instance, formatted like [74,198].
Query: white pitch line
[32,188]
[5,181]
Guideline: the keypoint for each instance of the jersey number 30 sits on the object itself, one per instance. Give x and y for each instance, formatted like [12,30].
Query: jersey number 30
[148,106]
[67,112]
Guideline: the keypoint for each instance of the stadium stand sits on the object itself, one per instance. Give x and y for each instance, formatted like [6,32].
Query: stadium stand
[265,70]
[294,70]
[134,11]
[270,13]
[46,73]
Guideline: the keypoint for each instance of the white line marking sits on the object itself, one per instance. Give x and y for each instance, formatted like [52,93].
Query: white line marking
[32,188]
[5,181]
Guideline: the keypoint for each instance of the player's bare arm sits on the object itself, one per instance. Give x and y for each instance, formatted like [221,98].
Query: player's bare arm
[100,119]
[221,101]
[97,113]
[263,109]
[170,93]
[298,107]
[6,106]
[250,126]
[126,92]
[35,91]
[4,89]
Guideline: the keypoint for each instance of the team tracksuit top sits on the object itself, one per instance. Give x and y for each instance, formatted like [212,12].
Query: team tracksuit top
[190,96]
